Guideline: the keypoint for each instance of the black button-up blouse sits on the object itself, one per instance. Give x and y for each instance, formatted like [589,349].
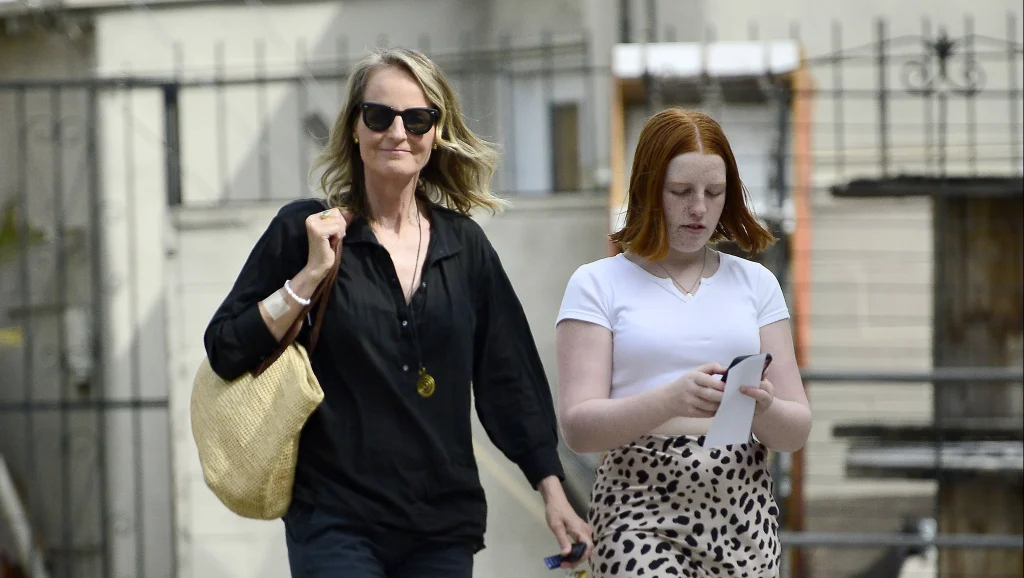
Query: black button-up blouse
[376,452]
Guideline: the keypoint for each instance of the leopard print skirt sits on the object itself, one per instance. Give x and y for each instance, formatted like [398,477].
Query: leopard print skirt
[665,506]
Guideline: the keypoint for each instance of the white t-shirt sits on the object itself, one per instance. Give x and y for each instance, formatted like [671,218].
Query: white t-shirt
[658,333]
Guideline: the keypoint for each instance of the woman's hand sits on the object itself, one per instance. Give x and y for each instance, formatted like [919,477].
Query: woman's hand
[324,230]
[699,393]
[764,395]
[565,524]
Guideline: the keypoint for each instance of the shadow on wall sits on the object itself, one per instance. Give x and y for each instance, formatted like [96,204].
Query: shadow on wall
[524,237]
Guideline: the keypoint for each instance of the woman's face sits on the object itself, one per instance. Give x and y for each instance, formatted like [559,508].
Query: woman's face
[694,197]
[395,152]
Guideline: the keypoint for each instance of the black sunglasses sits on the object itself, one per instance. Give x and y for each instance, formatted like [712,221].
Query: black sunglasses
[378,117]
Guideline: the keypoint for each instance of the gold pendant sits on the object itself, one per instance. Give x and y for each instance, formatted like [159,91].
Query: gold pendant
[425,384]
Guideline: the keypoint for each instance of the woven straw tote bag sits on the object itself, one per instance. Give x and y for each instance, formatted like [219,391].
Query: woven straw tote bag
[247,430]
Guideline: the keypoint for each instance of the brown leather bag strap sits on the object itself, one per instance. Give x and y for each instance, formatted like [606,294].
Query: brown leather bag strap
[321,295]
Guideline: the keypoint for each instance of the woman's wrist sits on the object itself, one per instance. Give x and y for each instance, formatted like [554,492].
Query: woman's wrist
[668,403]
[551,487]
[304,283]
[316,273]
[784,426]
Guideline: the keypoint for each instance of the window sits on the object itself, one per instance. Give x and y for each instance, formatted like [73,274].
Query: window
[565,147]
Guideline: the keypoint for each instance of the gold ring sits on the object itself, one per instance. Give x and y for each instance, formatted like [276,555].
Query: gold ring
[325,214]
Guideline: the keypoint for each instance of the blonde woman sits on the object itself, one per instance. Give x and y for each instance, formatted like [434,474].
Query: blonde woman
[421,316]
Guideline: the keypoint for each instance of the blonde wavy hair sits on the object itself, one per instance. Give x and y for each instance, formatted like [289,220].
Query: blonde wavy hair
[458,174]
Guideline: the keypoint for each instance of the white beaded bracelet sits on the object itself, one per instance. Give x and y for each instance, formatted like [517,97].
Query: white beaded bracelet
[299,300]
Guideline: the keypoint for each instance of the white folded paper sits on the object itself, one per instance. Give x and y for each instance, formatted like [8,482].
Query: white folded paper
[731,424]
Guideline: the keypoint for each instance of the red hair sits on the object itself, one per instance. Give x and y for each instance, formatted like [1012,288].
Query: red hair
[665,136]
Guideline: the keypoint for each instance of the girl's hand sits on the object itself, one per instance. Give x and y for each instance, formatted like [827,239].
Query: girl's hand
[763,395]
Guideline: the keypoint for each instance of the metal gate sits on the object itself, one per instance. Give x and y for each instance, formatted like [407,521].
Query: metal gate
[84,431]
[934,115]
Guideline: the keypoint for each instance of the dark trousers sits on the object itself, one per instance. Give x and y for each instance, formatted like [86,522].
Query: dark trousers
[322,545]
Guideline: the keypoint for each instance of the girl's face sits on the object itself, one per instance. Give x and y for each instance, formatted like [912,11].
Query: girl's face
[694,198]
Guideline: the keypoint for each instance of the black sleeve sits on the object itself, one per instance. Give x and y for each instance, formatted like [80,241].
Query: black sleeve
[237,339]
[513,398]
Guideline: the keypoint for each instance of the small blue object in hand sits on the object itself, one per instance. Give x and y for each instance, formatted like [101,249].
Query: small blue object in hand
[553,562]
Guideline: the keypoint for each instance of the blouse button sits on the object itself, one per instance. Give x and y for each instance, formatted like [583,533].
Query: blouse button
[423,284]
[405,368]
[405,323]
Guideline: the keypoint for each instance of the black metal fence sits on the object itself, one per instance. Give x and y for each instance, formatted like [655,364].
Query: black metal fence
[84,427]
[508,93]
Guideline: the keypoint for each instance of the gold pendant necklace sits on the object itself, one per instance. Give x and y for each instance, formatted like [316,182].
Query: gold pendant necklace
[699,275]
[425,384]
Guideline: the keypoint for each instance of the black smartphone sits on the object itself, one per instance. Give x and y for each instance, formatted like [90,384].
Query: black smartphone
[767,362]
[553,562]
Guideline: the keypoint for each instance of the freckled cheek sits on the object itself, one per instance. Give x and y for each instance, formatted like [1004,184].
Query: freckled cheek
[671,207]
[674,204]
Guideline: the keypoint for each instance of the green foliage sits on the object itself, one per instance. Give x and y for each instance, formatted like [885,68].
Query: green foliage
[10,234]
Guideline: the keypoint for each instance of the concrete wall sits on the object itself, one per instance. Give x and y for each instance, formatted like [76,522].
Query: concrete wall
[134,333]
[221,155]
[540,241]
[871,309]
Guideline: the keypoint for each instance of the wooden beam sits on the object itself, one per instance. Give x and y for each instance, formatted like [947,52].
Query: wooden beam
[926,186]
[800,274]
[951,430]
[617,155]
[979,313]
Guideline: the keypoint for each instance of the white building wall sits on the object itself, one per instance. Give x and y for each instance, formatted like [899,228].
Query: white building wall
[135,340]
[871,309]
[674,20]
[212,541]
[530,142]
[206,41]
[200,42]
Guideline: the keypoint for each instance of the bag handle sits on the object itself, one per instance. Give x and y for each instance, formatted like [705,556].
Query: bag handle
[319,300]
